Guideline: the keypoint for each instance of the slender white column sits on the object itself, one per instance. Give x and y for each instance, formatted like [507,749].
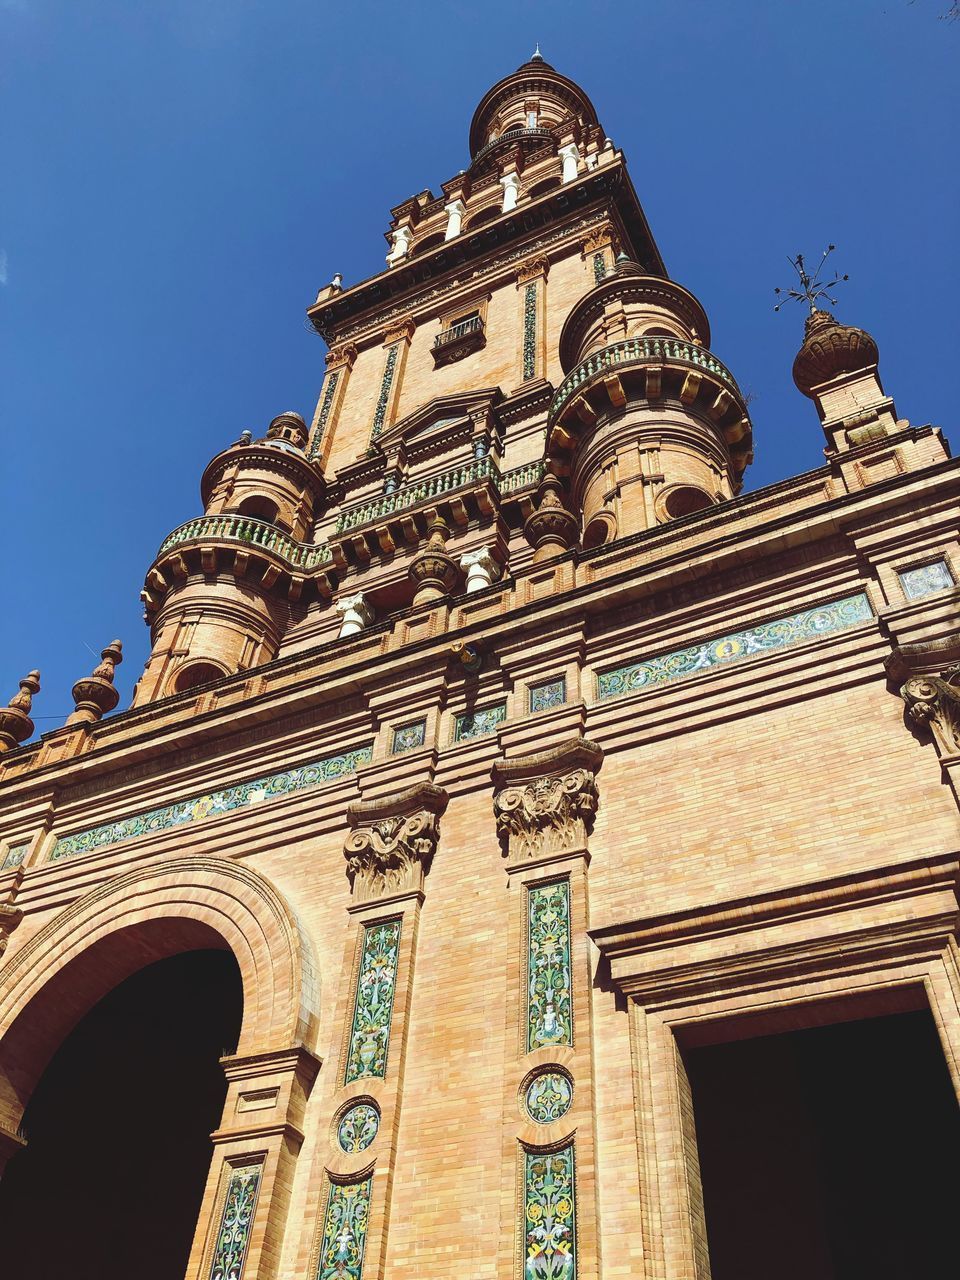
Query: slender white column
[481,569]
[357,614]
[570,156]
[402,238]
[511,191]
[454,211]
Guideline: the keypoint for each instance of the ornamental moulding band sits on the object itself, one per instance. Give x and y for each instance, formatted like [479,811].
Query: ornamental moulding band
[545,803]
[390,850]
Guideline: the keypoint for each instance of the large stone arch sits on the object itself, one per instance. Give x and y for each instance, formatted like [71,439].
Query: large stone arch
[144,915]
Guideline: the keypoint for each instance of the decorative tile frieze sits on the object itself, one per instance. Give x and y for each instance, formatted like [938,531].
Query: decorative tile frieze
[235,1222]
[15,855]
[926,580]
[328,397]
[544,803]
[549,694]
[345,1224]
[479,724]
[213,804]
[407,737]
[550,1222]
[548,1096]
[380,413]
[391,847]
[549,982]
[373,1003]
[529,331]
[738,646]
[599,268]
[358,1127]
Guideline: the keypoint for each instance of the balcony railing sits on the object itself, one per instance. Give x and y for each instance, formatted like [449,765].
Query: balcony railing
[462,329]
[511,135]
[412,495]
[641,351]
[250,532]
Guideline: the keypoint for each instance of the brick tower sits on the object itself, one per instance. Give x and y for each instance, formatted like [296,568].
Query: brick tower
[514,753]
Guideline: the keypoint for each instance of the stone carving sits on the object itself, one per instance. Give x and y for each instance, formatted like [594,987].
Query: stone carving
[390,850]
[15,723]
[545,803]
[550,529]
[533,269]
[95,695]
[934,701]
[432,571]
[10,917]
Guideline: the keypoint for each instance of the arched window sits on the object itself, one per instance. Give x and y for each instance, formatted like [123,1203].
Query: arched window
[194,674]
[259,507]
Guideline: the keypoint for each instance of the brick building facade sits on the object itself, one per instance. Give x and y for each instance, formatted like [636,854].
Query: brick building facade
[511,750]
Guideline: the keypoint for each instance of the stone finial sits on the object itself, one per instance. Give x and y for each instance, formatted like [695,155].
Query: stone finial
[432,571]
[551,529]
[544,803]
[15,723]
[830,349]
[390,850]
[95,695]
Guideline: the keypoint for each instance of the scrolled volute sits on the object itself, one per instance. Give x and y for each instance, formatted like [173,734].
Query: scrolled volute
[391,848]
[547,804]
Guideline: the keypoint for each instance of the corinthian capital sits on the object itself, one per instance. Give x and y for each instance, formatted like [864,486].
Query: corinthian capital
[391,847]
[544,803]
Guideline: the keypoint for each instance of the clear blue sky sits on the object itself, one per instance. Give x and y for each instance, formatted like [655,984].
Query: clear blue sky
[180,176]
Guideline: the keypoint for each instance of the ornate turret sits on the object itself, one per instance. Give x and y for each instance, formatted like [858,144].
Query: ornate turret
[648,423]
[219,592]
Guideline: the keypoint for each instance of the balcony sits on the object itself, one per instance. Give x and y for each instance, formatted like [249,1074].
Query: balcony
[513,137]
[248,532]
[461,339]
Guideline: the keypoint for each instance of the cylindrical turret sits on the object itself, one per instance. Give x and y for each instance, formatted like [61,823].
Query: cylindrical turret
[648,424]
[218,594]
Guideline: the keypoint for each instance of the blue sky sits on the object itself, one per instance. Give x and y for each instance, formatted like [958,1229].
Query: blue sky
[179,177]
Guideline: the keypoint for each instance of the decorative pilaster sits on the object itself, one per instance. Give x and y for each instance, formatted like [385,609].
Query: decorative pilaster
[532,288]
[599,249]
[340,361]
[544,806]
[388,856]
[396,341]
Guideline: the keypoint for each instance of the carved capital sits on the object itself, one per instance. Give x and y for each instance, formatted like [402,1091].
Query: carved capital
[393,841]
[404,328]
[599,238]
[544,803]
[344,353]
[533,269]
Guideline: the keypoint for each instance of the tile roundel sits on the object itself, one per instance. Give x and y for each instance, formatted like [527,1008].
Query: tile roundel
[548,1096]
[358,1127]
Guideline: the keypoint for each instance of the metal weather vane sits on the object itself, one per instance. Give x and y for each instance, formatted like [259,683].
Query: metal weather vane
[811,286]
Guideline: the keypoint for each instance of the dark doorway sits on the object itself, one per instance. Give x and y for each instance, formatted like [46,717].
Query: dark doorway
[829,1153]
[118,1148]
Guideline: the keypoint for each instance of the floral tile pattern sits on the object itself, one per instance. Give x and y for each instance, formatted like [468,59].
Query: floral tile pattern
[549,1000]
[373,1004]
[926,580]
[479,724]
[599,268]
[215,803]
[358,1127]
[407,737]
[325,408]
[380,413]
[548,1097]
[345,1231]
[529,331]
[552,693]
[550,1224]
[826,619]
[234,1234]
[15,855]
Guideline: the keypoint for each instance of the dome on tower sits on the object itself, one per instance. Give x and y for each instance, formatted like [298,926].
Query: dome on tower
[830,349]
[534,98]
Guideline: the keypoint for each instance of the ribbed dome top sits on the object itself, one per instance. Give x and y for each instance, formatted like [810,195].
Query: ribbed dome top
[829,349]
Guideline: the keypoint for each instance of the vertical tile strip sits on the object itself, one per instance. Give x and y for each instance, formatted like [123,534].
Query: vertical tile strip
[380,412]
[549,979]
[325,408]
[234,1234]
[599,268]
[550,1223]
[345,1231]
[373,1003]
[529,331]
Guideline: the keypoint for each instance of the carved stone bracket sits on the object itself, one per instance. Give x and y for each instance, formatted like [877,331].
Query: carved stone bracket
[929,678]
[533,269]
[390,850]
[544,803]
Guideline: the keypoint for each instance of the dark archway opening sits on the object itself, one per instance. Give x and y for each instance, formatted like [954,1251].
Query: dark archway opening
[829,1152]
[118,1129]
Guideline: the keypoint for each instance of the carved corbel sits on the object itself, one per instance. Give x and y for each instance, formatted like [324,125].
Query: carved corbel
[391,847]
[545,803]
[928,676]
[533,269]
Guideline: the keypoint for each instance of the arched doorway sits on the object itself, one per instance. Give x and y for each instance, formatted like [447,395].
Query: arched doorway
[111,1181]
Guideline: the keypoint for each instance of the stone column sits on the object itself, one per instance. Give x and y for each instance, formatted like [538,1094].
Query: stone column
[481,569]
[454,211]
[570,155]
[511,191]
[357,614]
[402,239]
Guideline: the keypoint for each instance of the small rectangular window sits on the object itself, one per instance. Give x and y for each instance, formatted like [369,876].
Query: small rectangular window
[926,580]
